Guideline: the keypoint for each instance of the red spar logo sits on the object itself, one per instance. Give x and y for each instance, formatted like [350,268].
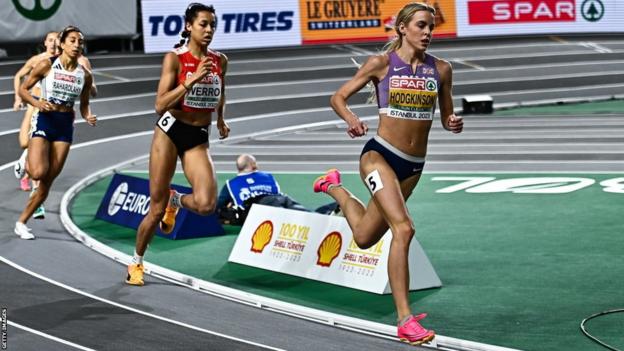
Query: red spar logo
[516,11]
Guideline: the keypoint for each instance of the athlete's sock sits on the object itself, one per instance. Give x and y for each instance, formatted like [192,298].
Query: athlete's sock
[333,186]
[176,199]
[136,259]
[404,320]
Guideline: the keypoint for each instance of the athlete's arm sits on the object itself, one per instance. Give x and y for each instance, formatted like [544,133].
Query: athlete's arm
[224,129]
[449,121]
[85,109]
[84,61]
[17,81]
[369,71]
[168,94]
[37,73]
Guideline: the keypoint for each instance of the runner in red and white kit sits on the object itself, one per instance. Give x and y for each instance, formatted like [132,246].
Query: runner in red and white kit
[191,88]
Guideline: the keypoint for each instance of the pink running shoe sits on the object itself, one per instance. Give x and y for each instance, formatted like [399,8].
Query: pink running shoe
[322,183]
[25,184]
[413,333]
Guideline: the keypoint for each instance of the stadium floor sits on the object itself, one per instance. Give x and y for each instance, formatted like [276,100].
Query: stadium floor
[515,267]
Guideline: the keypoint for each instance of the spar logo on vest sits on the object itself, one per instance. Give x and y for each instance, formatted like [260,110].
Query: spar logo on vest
[128,201]
[204,94]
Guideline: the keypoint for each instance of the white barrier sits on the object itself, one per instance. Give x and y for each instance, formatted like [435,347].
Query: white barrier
[321,247]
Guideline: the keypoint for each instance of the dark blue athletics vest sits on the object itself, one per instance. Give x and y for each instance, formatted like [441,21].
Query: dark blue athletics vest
[245,186]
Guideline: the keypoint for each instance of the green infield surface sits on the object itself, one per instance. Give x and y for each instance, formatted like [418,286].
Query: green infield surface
[523,257]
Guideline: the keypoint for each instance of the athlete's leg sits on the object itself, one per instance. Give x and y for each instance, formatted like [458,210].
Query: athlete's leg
[23,138]
[390,205]
[162,164]
[367,223]
[398,263]
[38,160]
[55,160]
[24,132]
[199,171]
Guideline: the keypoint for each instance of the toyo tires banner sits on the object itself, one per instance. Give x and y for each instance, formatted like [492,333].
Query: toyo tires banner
[514,17]
[25,20]
[240,24]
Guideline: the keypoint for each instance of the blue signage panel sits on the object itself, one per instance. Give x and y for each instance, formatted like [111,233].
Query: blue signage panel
[127,201]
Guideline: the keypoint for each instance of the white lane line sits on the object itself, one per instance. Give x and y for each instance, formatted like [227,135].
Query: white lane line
[316,56]
[141,171]
[240,119]
[470,64]
[93,142]
[328,67]
[596,47]
[359,51]
[112,76]
[458,162]
[132,67]
[103,118]
[48,336]
[132,309]
[546,90]
[524,55]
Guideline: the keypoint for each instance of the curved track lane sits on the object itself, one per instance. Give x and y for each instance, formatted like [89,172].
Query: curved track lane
[269,92]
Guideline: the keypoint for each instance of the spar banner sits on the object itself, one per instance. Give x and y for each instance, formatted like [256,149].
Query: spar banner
[26,20]
[328,21]
[127,201]
[320,247]
[240,24]
[513,17]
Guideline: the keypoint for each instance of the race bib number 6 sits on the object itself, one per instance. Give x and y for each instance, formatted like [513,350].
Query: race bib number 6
[165,122]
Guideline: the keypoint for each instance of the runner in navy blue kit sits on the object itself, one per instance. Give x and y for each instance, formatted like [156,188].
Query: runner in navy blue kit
[408,83]
[63,81]
[191,88]
[50,44]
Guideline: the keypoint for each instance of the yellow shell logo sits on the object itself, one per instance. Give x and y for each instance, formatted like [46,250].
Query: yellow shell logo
[262,236]
[329,249]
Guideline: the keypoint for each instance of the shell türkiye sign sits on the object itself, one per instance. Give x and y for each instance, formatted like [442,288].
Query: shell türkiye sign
[320,247]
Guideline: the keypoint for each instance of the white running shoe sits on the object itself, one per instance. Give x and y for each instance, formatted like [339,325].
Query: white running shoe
[19,168]
[23,231]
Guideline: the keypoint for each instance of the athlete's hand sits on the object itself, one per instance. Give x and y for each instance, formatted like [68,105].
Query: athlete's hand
[18,104]
[91,119]
[455,124]
[224,129]
[204,67]
[356,128]
[45,106]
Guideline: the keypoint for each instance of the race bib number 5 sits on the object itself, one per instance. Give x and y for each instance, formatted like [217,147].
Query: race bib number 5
[373,181]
